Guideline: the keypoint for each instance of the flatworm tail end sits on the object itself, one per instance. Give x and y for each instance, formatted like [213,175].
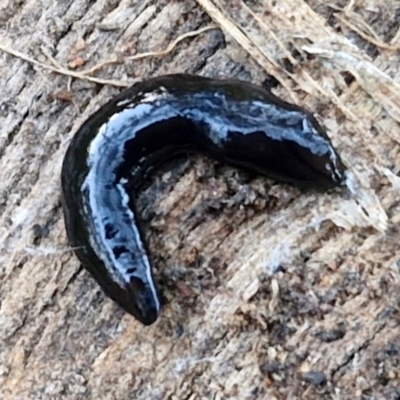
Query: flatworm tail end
[147,307]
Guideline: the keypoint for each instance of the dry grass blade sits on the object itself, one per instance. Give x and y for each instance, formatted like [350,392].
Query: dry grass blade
[86,74]
[61,71]
[245,42]
[148,54]
[374,40]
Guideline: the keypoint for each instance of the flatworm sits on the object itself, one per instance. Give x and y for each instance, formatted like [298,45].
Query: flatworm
[117,147]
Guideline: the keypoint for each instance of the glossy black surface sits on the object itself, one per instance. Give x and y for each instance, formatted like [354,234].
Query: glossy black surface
[122,143]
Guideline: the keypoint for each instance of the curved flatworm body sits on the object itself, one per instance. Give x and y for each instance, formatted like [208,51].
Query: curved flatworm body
[125,140]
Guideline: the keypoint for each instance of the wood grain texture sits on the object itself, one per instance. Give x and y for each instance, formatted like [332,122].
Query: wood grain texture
[271,293]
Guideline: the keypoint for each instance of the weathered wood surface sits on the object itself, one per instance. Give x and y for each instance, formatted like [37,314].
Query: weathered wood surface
[322,326]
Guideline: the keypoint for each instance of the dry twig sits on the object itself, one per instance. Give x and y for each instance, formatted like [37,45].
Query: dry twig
[85,74]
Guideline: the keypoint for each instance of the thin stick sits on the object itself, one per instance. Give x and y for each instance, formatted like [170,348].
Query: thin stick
[85,74]
[163,52]
[62,71]
[375,41]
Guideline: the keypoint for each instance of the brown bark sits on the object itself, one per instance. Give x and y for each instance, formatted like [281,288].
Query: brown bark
[325,326]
